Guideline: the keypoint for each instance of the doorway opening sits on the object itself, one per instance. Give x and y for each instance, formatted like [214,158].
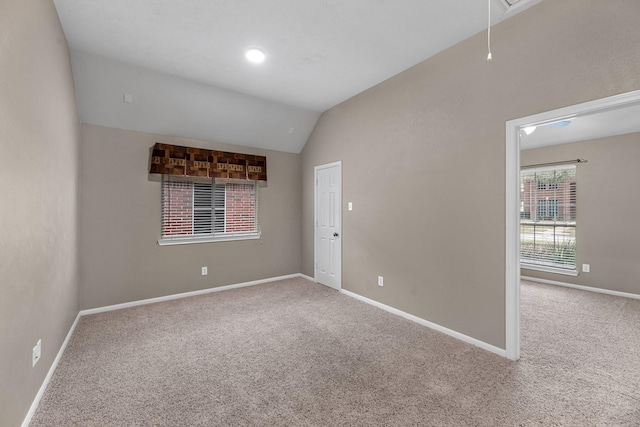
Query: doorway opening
[515,129]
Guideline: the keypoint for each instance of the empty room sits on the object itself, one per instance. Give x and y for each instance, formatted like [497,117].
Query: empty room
[310,213]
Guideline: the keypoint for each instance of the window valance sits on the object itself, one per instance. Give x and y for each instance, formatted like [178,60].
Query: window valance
[169,159]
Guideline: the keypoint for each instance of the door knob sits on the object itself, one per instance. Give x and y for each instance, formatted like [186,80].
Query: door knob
[335,234]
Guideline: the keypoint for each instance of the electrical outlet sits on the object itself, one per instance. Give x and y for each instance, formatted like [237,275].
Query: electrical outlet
[380,281]
[35,354]
[205,271]
[586,268]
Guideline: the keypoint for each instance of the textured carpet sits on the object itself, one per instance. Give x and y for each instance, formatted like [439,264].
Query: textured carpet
[300,354]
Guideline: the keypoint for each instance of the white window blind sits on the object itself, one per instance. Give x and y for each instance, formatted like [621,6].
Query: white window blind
[196,211]
[219,207]
[202,208]
[548,217]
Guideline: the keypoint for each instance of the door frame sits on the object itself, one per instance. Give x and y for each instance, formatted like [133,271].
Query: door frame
[315,218]
[512,201]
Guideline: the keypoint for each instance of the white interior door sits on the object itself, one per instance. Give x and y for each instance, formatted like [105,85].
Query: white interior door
[328,215]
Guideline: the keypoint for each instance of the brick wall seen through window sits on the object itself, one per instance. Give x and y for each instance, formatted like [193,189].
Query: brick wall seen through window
[196,209]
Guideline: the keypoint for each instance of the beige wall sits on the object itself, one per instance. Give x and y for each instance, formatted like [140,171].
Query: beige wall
[120,224]
[607,232]
[424,157]
[39,137]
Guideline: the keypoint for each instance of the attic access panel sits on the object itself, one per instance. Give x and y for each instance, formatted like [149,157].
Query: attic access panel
[507,5]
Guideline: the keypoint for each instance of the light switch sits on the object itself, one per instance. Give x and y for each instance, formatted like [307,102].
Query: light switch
[350,206]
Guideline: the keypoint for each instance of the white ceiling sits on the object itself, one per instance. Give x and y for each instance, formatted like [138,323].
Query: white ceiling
[617,121]
[319,52]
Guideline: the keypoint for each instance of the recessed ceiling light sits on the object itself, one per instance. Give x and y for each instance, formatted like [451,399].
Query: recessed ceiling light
[255,55]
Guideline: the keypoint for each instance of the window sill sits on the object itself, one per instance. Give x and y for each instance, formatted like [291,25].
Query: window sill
[208,239]
[546,269]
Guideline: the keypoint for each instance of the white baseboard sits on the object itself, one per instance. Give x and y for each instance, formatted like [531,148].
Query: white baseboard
[183,295]
[45,383]
[582,288]
[304,276]
[435,326]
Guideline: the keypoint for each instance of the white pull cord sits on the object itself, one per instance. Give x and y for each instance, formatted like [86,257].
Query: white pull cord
[489,57]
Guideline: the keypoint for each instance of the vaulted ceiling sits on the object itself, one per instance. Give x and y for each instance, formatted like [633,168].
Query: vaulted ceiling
[318,54]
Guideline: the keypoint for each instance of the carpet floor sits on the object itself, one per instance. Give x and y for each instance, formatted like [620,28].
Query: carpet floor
[295,353]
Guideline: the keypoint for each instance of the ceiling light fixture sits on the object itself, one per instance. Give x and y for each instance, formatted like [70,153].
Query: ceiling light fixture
[560,124]
[255,55]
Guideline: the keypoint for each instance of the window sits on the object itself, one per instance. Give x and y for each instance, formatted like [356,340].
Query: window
[548,218]
[542,208]
[553,209]
[202,211]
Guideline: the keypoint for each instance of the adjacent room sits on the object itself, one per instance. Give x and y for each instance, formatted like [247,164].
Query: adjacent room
[319,213]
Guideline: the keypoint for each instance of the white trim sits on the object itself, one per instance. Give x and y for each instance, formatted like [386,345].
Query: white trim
[329,165]
[483,345]
[572,111]
[182,295]
[315,218]
[45,383]
[583,288]
[304,276]
[512,244]
[546,269]
[208,239]
[509,8]
[512,182]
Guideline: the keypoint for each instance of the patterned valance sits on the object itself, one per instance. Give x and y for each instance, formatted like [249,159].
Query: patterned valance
[169,159]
